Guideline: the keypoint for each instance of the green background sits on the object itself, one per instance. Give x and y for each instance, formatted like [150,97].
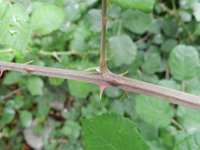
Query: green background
[159,47]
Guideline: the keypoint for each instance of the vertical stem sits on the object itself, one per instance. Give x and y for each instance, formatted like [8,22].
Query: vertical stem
[103,64]
[119,28]
[174,7]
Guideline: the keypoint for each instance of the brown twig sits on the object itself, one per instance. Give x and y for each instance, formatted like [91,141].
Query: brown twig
[12,93]
[103,64]
[110,79]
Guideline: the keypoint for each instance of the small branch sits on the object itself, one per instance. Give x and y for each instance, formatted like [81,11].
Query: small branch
[183,84]
[110,79]
[12,93]
[178,125]
[103,64]
[45,53]
[6,51]
[57,54]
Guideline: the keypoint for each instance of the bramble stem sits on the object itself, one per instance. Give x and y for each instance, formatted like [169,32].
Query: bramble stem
[103,64]
[110,79]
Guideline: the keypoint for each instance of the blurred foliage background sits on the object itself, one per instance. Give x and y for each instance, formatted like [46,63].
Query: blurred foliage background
[161,47]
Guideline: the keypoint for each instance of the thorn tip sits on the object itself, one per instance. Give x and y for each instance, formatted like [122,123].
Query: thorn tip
[102,87]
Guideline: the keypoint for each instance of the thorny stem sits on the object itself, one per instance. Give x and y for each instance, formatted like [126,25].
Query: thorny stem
[103,64]
[111,79]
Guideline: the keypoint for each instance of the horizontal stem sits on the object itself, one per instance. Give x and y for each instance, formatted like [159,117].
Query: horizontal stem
[45,53]
[6,51]
[110,79]
[12,93]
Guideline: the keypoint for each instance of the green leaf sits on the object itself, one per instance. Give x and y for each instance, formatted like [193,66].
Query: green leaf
[184,62]
[189,117]
[168,45]
[124,107]
[109,132]
[12,77]
[137,21]
[129,106]
[151,63]
[150,78]
[145,5]
[113,92]
[25,118]
[18,103]
[56,81]
[95,106]
[71,129]
[154,111]
[10,104]
[169,26]
[8,115]
[79,89]
[166,136]
[7,56]
[185,15]
[47,18]
[196,11]
[190,142]
[158,39]
[79,42]
[3,7]
[43,107]
[94,20]
[169,84]
[193,86]
[123,49]
[72,10]
[35,86]
[15,27]
[117,107]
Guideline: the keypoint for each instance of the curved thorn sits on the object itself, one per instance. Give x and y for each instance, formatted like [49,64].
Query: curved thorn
[124,73]
[1,71]
[102,87]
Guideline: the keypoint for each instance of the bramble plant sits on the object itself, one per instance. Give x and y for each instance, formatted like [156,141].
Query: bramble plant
[65,34]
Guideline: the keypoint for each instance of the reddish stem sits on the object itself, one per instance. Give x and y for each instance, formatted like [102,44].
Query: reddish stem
[111,79]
